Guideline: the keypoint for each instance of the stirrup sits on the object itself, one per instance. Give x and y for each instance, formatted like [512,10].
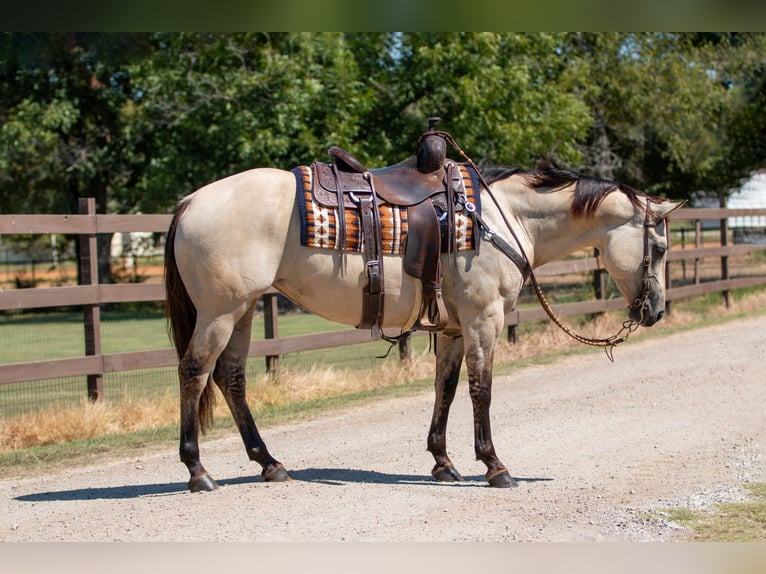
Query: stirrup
[433,316]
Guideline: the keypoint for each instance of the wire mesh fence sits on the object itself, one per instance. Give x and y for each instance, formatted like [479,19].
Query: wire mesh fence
[59,334]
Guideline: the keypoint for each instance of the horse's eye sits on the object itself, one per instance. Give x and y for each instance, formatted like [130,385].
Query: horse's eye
[660,250]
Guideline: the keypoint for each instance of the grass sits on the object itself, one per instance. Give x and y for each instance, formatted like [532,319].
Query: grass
[727,522]
[36,336]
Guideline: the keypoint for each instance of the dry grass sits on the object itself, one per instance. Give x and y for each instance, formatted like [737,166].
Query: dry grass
[89,420]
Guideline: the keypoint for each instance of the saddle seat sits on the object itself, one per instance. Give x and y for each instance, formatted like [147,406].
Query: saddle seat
[401,184]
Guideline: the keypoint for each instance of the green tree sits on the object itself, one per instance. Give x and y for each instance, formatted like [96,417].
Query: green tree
[63,99]
[738,64]
[214,104]
[669,109]
[63,122]
[506,97]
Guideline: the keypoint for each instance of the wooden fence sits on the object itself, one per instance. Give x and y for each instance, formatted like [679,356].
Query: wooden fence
[90,294]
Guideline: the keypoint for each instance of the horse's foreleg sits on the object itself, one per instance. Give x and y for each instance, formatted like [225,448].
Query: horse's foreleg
[479,357]
[449,358]
[229,375]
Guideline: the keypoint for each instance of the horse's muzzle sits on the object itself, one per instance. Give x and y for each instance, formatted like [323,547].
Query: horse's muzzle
[647,317]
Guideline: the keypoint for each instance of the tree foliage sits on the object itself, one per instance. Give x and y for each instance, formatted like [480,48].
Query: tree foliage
[139,120]
[62,120]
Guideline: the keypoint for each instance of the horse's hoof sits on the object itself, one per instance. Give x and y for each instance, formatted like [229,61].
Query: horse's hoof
[501,479]
[202,483]
[446,473]
[276,474]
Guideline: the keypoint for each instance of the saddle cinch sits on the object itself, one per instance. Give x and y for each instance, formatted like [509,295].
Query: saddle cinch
[431,189]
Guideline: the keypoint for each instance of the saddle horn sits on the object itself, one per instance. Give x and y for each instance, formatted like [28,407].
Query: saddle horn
[432,148]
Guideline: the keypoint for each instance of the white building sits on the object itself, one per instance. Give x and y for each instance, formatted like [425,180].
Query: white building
[752,195]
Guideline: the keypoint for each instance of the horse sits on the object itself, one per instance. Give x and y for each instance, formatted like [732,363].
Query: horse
[236,237]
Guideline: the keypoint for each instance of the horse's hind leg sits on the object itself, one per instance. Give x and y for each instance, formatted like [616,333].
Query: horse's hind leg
[197,399]
[449,358]
[229,375]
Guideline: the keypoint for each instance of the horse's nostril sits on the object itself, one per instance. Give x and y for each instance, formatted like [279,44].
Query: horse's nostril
[660,315]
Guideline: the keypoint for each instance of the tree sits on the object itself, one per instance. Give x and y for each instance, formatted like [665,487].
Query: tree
[742,143]
[668,110]
[505,96]
[139,120]
[63,98]
[214,104]
[62,108]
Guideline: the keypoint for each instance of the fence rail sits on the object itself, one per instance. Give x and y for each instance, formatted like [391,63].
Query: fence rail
[92,294]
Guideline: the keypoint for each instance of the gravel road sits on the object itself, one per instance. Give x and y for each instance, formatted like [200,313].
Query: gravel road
[595,446]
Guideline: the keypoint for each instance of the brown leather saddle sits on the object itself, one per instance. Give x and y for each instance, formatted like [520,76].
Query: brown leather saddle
[430,187]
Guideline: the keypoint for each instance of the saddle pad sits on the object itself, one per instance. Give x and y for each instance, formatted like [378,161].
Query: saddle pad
[319,224]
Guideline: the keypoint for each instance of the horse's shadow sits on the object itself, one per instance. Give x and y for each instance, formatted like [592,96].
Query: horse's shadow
[325,476]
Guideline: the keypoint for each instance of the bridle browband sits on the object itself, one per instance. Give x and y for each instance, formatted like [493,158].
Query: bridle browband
[520,259]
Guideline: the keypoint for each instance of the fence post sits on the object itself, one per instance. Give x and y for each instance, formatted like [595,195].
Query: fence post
[405,347]
[683,246]
[668,280]
[697,245]
[92,312]
[599,280]
[725,260]
[271,329]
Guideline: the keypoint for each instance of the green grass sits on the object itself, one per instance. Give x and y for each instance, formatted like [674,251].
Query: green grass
[32,337]
[729,522]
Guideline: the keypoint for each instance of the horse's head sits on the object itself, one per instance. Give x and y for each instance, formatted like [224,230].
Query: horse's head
[634,254]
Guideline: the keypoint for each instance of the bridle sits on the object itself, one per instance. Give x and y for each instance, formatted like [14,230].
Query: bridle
[519,257]
[640,303]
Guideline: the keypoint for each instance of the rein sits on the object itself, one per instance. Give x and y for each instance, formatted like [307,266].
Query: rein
[521,260]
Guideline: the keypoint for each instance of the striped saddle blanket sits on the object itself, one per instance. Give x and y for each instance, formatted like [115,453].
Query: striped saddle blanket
[319,227]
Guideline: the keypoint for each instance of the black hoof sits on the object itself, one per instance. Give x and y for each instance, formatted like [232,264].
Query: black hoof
[276,474]
[501,479]
[446,473]
[202,483]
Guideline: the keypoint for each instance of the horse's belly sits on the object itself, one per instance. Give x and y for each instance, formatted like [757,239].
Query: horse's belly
[318,281]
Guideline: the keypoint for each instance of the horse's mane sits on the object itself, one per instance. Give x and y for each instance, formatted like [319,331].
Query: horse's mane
[589,192]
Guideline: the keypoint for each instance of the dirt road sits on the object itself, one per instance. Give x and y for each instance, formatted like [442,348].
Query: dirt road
[676,420]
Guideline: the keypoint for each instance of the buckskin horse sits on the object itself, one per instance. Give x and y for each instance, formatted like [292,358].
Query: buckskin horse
[235,238]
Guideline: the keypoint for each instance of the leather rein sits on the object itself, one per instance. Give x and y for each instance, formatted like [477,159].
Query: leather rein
[521,260]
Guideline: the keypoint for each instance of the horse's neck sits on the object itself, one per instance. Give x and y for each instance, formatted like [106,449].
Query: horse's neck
[549,229]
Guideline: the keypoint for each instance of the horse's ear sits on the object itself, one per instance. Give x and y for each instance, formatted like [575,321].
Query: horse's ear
[662,210]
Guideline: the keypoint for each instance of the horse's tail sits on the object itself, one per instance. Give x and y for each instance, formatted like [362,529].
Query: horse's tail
[182,315]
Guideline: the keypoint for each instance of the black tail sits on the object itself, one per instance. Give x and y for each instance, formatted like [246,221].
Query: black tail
[182,315]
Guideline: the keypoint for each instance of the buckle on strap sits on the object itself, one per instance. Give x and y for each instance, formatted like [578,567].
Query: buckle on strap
[373,270]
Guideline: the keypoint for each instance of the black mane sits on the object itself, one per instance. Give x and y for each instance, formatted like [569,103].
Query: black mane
[494,173]
[589,192]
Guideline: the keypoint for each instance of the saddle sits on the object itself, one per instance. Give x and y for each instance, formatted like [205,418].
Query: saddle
[430,187]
